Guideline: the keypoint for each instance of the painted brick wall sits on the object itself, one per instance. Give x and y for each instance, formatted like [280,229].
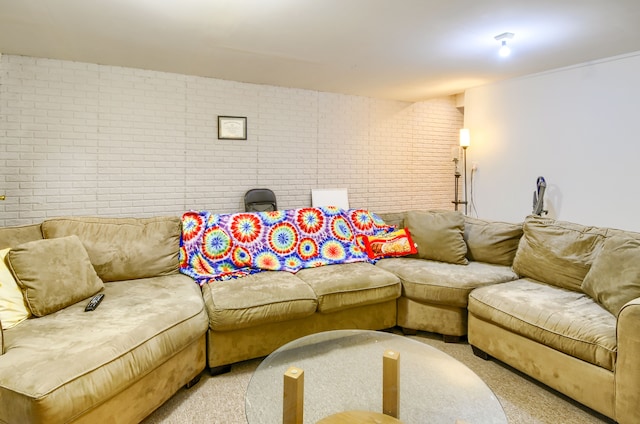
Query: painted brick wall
[86,139]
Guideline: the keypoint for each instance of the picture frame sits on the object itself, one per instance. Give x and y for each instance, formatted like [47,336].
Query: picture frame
[232,127]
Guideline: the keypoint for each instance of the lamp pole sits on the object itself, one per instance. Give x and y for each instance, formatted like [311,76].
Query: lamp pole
[456,198]
[464,154]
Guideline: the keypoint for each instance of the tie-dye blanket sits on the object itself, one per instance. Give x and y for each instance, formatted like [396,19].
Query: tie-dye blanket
[216,247]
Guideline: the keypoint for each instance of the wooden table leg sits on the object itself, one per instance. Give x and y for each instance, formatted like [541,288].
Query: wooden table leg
[293,397]
[391,383]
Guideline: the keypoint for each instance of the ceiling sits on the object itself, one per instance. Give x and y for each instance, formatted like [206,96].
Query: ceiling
[407,50]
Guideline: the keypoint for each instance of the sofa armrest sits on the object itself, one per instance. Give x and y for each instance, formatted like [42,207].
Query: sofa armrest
[627,374]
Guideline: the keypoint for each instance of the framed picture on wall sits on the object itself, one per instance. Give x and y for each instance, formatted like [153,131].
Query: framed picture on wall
[232,127]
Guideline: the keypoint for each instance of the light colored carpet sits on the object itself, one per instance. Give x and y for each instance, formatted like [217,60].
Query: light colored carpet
[220,399]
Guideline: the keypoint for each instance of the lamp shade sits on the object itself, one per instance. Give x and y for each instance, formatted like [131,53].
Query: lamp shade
[465,139]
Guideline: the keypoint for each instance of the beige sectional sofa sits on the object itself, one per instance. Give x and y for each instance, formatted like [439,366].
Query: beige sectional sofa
[492,281]
[115,364]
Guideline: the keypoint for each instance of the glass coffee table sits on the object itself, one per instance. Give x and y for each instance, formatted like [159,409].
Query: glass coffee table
[343,372]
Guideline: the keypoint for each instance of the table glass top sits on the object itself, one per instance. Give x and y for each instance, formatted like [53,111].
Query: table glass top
[343,372]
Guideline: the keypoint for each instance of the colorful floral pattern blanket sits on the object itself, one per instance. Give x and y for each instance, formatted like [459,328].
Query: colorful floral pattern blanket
[215,247]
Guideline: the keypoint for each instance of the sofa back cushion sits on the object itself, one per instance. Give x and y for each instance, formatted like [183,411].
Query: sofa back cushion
[124,248]
[623,233]
[492,242]
[438,235]
[53,274]
[556,252]
[393,218]
[614,277]
[13,236]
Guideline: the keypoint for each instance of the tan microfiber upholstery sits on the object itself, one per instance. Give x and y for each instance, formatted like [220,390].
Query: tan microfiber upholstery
[610,232]
[124,248]
[137,401]
[92,356]
[493,242]
[628,365]
[434,318]
[227,347]
[13,236]
[265,297]
[53,274]
[439,235]
[443,283]
[564,320]
[348,285]
[587,383]
[393,218]
[557,252]
[614,277]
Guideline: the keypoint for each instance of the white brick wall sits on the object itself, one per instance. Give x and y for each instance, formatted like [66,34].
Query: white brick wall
[85,139]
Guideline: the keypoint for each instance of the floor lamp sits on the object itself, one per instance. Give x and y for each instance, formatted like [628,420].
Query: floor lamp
[465,141]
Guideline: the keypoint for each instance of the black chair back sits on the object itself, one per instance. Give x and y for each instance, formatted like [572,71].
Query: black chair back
[260,200]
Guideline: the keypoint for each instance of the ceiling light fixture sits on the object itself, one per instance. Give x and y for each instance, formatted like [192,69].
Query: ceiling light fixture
[504,49]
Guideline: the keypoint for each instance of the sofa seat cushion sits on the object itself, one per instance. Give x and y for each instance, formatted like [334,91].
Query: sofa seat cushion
[265,297]
[562,319]
[443,283]
[343,286]
[70,361]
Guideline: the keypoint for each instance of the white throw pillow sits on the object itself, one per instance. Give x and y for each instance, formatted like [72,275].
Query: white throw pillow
[13,309]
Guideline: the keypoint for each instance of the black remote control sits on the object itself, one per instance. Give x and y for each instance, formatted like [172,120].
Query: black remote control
[94,302]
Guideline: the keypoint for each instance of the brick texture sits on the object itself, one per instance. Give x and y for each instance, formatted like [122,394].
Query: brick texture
[86,139]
